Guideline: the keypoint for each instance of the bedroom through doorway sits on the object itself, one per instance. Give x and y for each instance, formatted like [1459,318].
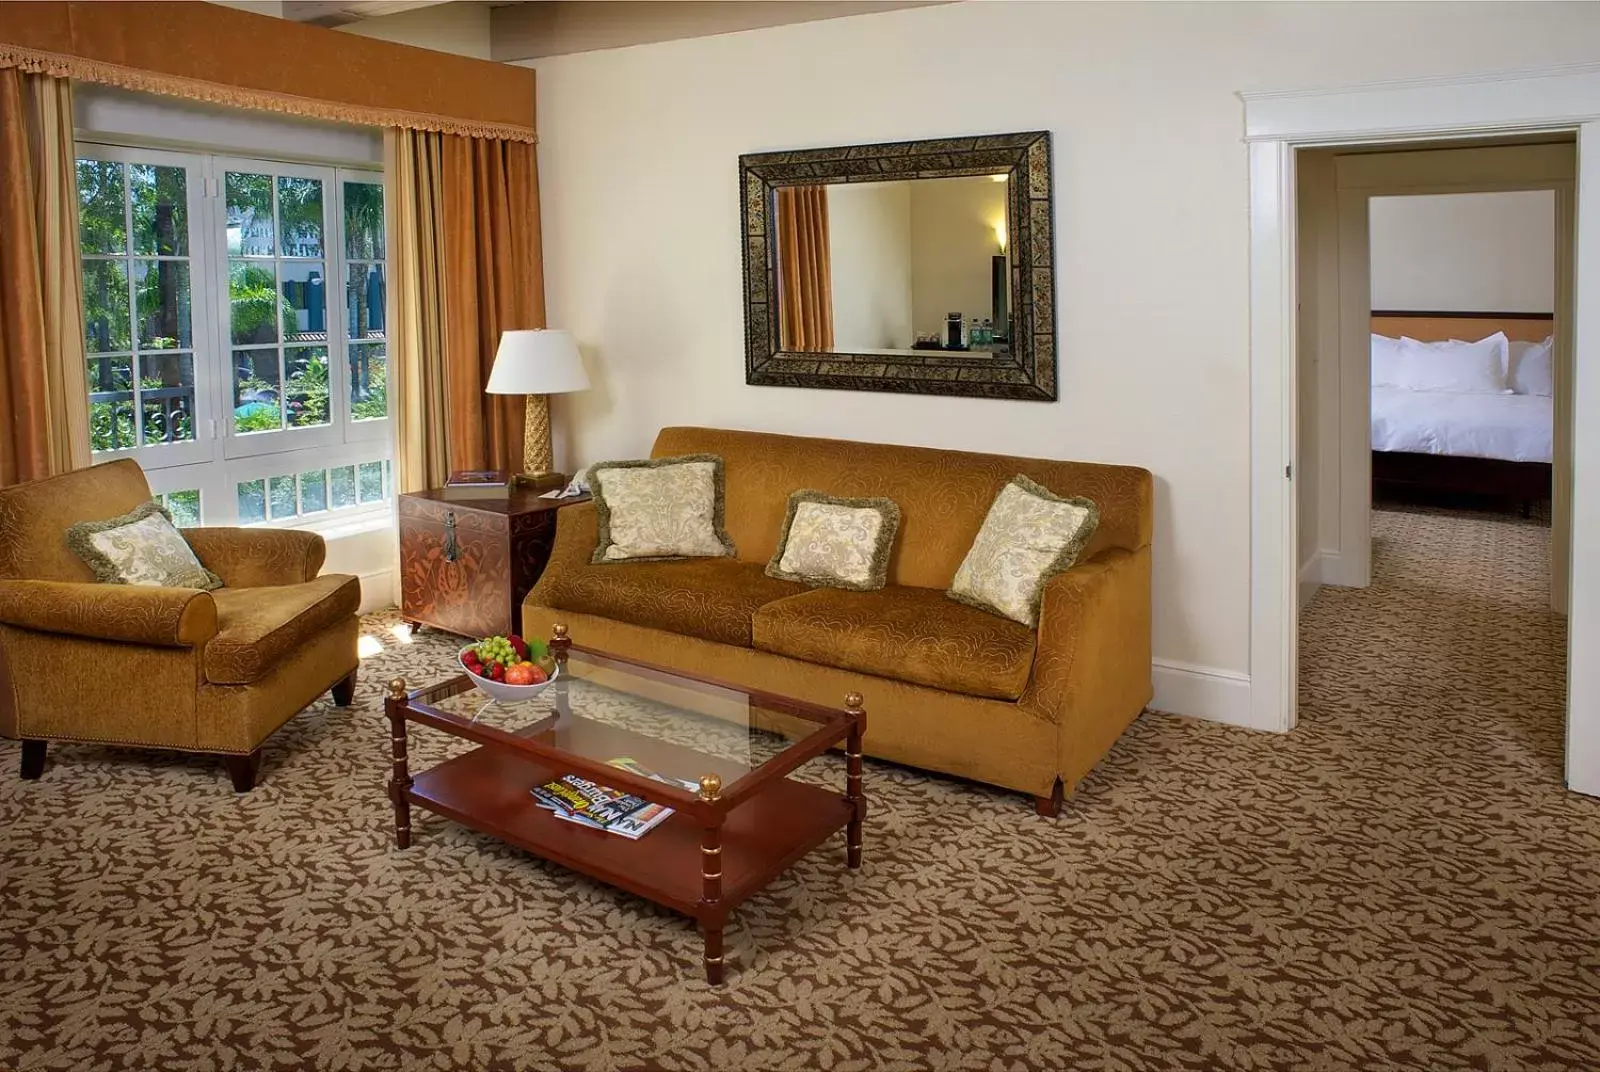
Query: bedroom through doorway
[1434,441]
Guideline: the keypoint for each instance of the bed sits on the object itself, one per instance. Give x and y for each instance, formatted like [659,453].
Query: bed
[1451,446]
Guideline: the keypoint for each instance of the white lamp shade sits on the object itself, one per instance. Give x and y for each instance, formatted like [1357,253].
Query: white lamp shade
[543,361]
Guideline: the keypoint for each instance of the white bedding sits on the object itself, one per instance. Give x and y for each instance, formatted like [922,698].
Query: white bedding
[1514,428]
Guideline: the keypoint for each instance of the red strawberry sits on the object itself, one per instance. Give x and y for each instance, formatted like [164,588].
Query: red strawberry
[499,672]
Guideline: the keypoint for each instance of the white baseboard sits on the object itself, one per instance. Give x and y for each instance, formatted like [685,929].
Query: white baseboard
[1310,579]
[377,590]
[1202,692]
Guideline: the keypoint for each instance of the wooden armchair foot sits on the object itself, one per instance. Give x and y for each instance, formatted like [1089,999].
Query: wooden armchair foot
[242,770]
[1050,806]
[33,759]
[344,691]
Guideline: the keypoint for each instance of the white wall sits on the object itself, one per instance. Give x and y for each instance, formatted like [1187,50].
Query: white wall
[1465,252]
[638,179]
[869,246]
[953,243]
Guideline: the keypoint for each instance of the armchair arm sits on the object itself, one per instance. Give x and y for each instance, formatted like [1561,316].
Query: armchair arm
[258,558]
[137,614]
[577,530]
[1091,670]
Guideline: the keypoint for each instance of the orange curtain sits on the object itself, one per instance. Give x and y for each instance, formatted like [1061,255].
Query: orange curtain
[805,270]
[44,413]
[467,242]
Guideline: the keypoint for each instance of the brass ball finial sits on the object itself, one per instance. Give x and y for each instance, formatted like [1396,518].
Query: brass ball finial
[559,631]
[710,787]
[852,700]
[397,688]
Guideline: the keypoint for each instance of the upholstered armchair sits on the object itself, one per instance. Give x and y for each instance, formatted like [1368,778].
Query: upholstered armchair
[177,668]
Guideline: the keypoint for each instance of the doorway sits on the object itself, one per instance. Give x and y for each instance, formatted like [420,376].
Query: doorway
[1428,292]
[1276,126]
[1404,254]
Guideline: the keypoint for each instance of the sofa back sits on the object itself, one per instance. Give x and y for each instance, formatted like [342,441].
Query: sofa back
[34,518]
[943,495]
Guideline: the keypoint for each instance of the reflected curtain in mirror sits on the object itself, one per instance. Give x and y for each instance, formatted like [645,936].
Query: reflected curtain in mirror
[43,379]
[805,272]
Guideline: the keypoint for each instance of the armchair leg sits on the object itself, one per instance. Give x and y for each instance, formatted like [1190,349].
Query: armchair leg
[242,770]
[344,691]
[1049,806]
[33,759]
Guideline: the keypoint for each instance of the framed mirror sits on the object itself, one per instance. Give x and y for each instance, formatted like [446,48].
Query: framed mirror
[925,267]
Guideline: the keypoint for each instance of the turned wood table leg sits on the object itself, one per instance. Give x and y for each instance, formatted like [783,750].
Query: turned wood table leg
[560,646]
[710,898]
[710,912]
[853,791]
[400,779]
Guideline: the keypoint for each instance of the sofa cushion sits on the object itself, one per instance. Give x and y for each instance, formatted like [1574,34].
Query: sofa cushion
[908,634]
[257,628]
[713,599]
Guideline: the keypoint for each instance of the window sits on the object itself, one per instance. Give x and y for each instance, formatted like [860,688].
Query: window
[222,353]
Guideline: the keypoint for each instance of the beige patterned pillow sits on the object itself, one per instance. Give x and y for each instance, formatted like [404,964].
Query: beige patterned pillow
[836,543]
[666,508]
[140,547]
[1029,536]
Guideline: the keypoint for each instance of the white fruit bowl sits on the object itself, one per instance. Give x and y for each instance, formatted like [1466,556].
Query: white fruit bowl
[499,691]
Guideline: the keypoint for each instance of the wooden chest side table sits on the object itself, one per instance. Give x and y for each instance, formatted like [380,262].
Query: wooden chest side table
[466,564]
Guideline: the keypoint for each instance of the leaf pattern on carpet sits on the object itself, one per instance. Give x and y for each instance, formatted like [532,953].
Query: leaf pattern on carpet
[1402,882]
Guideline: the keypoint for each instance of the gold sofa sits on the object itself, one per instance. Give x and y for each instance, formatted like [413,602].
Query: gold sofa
[947,687]
[177,668]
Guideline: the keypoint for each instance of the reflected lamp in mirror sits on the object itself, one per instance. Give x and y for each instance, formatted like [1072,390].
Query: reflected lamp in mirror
[922,267]
[537,363]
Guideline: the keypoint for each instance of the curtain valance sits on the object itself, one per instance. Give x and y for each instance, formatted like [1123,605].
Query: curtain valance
[225,56]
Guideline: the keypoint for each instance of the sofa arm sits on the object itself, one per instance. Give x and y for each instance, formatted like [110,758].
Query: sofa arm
[577,531]
[258,558]
[1091,671]
[136,614]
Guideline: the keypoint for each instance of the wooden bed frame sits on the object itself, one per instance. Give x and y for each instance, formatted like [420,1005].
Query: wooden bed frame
[1446,477]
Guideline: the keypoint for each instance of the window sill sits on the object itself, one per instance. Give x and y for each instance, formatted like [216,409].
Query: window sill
[334,528]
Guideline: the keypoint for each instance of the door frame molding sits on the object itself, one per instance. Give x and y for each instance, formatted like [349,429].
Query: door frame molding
[1278,123]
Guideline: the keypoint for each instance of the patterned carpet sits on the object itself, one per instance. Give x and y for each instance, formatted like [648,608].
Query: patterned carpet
[1400,883]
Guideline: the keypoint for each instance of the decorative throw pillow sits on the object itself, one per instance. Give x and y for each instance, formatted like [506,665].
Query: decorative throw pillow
[1029,536]
[836,543]
[140,547]
[666,508]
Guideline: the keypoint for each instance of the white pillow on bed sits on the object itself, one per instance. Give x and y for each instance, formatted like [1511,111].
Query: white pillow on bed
[1463,367]
[1532,368]
[1385,361]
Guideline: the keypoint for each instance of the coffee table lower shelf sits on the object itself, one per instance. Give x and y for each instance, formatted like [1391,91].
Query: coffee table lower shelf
[488,789]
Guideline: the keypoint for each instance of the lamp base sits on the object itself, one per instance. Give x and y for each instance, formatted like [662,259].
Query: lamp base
[540,481]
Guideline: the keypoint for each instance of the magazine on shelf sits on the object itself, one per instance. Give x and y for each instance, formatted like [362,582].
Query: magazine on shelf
[584,801]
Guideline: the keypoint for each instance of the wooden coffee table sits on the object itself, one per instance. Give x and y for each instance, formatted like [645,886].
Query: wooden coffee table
[726,841]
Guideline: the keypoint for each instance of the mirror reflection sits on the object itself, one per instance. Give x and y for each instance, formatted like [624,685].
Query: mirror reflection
[894,267]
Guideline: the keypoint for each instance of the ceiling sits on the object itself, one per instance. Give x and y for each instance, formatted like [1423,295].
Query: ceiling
[343,12]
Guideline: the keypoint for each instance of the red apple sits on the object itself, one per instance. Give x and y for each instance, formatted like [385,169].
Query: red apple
[521,674]
[518,645]
[536,674]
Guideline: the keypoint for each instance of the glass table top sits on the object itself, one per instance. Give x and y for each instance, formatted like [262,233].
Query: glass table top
[612,711]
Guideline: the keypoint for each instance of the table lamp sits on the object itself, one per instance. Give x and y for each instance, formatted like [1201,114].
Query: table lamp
[537,363]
